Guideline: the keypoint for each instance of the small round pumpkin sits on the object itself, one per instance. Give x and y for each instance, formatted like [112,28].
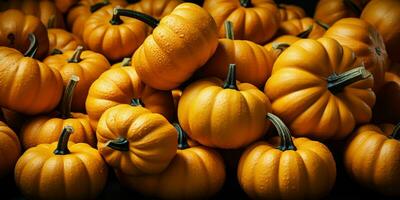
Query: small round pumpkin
[86,64]
[155,8]
[194,173]
[317,89]
[31,87]
[330,11]
[61,40]
[299,168]
[61,170]
[10,149]
[297,26]
[136,141]
[15,28]
[371,158]
[120,86]
[288,12]
[255,20]
[223,114]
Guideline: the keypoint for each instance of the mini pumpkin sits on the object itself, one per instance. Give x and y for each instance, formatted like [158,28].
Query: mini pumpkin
[136,141]
[86,64]
[10,149]
[306,168]
[288,12]
[61,170]
[31,87]
[255,20]
[223,114]
[297,26]
[61,40]
[319,91]
[371,157]
[330,11]
[155,8]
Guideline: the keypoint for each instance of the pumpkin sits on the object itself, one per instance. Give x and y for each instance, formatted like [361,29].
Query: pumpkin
[61,41]
[180,44]
[65,5]
[223,114]
[253,61]
[15,28]
[155,8]
[86,64]
[255,20]
[306,168]
[45,129]
[31,87]
[288,12]
[45,10]
[120,86]
[61,170]
[135,140]
[384,15]
[124,63]
[79,14]
[177,181]
[371,158]
[9,149]
[319,91]
[330,11]
[13,119]
[297,26]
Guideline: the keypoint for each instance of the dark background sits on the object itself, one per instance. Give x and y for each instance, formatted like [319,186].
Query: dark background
[344,188]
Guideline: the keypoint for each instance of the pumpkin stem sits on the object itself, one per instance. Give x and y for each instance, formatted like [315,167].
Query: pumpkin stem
[137,102]
[353,7]
[126,62]
[280,45]
[229,34]
[97,6]
[55,51]
[76,57]
[281,6]
[62,146]
[336,83]
[149,20]
[182,137]
[51,21]
[378,51]
[66,101]
[284,133]
[305,33]
[396,132]
[322,24]
[33,46]
[230,82]
[120,144]
[246,3]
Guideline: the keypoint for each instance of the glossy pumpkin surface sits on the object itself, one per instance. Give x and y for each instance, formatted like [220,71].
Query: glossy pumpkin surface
[61,40]
[330,11]
[10,149]
[297,26]
[289,12]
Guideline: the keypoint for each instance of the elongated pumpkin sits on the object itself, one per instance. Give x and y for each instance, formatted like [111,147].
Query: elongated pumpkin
[10,149]
[61,40]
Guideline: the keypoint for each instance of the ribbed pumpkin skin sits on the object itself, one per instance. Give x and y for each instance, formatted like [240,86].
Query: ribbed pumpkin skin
[31,87]
[296,26]
[194,173]
[47,129]
[384,15]
[10,149]
[120,86]
[289,12]
[265,172]
[15,27]
[64,5]
[62,40]
[365,41]
[40,174]
[253,62]
[372,158]
[175,50]
[89,68]
[152,140]
[155,8]
[257,23]
[330,11]
[299,94]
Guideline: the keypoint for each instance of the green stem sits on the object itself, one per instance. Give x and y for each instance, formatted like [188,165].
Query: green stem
[280,45]
[66,101]
[55,51]
[305,33]
[284,133]
[51,22]
[322,24]
[396,132]
[137,102]
[229,34]
[281,6]
[182,137]
[120,144]
[33,46]
[62,146]
[230,82]
[336,83]
[149,20]
[76,57]
[126,62]
[353,7]
[246,3]
[97,6]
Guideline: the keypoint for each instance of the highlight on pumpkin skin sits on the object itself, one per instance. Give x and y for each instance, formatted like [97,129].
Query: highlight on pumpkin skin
[330,11]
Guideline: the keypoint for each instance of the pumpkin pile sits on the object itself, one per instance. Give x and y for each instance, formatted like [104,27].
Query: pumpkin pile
[173,100]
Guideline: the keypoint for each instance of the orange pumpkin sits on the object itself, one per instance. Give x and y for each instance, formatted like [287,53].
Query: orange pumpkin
[223,114]
[120,86]
[177,181]
[15,28]
[175,50]
[61,170]
[86,64]
[317,89]
[31,87]
[306,168]
[279,44]
[13,119]
[155,8]
[79,14]
[10,149]
[330,11]
[297,26]
[124,63]
[371,158]
[288,12]
[45,129]
[65,5]
[384,15]
[61,41]
[136,141]
[255,20]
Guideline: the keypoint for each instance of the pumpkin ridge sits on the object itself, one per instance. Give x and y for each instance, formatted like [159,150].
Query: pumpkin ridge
[88,177]
[202,163]
[373,167]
